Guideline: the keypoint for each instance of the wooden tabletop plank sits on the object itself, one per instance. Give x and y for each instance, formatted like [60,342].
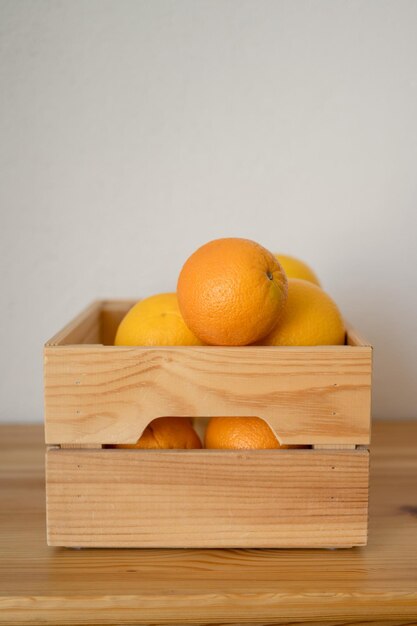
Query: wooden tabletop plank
[376,584]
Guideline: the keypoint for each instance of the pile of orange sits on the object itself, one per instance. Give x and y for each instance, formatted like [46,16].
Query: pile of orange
[167,433]
[232,292]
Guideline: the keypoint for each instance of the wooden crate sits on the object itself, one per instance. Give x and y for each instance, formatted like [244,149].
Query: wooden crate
[98,394]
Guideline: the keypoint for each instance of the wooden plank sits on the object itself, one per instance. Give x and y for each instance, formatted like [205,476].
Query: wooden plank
[334,446]
[80,446]
[108,394]
[112,313]
[371,585]
[354,338]
[207,498]
[83,329]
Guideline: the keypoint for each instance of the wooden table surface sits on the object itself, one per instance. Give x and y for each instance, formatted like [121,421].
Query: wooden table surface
[376,584]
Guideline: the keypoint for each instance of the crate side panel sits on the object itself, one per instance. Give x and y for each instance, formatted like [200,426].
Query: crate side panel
[112,313]
[354,337]
[108,394]
[85,328]
[128,498]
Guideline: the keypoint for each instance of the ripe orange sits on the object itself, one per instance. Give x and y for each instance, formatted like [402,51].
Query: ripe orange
[295,268]
[311,318]
[167,432]
[231,292]
[240,433]
[155,321]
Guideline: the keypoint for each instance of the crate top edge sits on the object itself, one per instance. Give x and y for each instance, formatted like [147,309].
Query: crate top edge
[342,349]
[101,304]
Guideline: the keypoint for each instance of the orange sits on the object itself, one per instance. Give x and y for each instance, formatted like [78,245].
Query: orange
[231,292]
[240,433]
[295,268]
[167,432]
[155,321]
[311,318]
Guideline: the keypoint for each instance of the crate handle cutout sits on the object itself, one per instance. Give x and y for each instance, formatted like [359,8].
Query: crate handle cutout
[199,425]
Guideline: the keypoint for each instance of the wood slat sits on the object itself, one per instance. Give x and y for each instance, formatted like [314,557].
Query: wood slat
[334,446]
[108,394]
[112,313]
[354,338]
[83,329]
[80,446]
[209,498]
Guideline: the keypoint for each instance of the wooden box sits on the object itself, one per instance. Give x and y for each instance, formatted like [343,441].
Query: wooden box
[98,394]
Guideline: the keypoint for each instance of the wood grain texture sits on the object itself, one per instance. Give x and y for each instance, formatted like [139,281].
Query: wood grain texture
[207,498]
[374,584]
[108,394]
[354,337]
[83,329]
[112,313]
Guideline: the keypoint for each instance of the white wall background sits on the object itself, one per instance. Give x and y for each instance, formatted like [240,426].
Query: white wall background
[132,132]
